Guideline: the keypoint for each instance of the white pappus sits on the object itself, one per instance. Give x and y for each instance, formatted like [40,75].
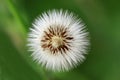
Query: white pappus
[58,40]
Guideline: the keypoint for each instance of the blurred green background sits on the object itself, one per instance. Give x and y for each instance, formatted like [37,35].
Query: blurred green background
[102,18]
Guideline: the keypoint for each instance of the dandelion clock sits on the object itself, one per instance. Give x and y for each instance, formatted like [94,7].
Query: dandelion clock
[58,40]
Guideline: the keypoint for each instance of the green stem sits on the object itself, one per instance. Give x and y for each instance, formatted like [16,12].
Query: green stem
[16,16]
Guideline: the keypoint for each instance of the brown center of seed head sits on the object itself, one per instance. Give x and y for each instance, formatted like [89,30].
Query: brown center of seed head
[56,39]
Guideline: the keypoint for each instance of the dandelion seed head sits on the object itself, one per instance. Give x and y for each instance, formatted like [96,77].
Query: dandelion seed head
[58,40]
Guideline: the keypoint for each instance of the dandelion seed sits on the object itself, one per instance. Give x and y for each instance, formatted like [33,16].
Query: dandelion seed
[58,40]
